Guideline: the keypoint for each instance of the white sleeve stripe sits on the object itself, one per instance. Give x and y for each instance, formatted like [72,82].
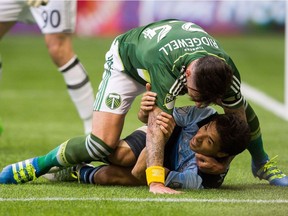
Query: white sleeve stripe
[232,104]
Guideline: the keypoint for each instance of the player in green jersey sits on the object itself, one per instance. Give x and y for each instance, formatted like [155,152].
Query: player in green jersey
[175,57]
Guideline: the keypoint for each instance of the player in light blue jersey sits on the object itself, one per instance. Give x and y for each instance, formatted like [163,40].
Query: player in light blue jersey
[194,126]
[198,129]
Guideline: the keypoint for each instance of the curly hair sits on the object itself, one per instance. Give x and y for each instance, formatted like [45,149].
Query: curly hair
[213,77]
[234,133]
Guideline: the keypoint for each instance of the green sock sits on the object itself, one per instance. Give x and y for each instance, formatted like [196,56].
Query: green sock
[257,152]
[57,157]
[46,162]
[70,153]
[255,147]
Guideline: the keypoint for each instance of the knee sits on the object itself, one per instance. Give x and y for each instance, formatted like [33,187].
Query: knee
[123,155]
[59,48]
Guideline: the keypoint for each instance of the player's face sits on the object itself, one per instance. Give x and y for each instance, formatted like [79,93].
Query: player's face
[206,141]
[192,90]
[194,95]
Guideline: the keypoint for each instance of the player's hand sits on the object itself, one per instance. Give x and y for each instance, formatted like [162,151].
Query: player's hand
[210,165]
[159,188]
[37,3]
[148,100]
[166,123]
[147,103]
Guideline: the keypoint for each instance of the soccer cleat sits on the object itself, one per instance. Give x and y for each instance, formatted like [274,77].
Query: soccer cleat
[19,173]
[65,174]
[270,172]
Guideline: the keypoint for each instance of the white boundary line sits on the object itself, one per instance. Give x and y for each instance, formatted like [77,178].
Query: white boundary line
[187,200]
[263,100]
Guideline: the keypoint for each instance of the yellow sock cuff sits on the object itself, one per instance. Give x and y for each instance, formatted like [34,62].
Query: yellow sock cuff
[155,174]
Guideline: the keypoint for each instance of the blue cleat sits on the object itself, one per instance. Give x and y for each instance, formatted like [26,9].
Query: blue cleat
[19,173]
[270,172]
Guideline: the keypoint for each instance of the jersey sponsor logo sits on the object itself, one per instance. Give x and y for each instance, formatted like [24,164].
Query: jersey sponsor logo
[169,101]
[113,101]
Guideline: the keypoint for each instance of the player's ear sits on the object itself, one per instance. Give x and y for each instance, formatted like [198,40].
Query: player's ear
[188,72]
[222,154]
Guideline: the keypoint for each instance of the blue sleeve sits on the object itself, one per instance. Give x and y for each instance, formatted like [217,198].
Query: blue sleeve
[190,115]
[189,179]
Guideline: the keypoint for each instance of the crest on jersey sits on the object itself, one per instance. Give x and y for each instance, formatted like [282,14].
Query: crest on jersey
[113,101]
[169,101]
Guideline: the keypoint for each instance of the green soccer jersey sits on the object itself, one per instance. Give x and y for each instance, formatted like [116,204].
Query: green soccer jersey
[159,52]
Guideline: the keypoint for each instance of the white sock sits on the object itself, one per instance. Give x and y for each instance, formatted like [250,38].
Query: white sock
[80,90]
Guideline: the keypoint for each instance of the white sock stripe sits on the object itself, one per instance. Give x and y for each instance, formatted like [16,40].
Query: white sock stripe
[92,150]
[99,146]
[95,149]
[67,64]
[88,149]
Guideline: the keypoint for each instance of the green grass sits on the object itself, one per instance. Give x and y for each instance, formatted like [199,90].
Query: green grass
[38,115]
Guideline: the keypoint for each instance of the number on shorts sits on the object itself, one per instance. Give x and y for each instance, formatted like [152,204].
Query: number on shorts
[53,18]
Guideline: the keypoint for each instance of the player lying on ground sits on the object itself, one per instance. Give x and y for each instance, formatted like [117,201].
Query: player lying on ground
[181,169]
[200,129]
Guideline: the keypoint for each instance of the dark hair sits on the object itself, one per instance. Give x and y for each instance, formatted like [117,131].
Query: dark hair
[234,133]
[213,77]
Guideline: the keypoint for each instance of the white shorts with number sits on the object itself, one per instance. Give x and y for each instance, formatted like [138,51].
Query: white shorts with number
[56,17]
[117,90]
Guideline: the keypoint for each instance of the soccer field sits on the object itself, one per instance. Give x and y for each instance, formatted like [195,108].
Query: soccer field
[38,115]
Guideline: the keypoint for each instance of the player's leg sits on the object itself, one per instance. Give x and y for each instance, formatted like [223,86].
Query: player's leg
[5,27]
[57,22]
[74,151]
[111,105]
[74,74]
[113,175]
[262,166]
[129,149]
[12,11]
[126,154]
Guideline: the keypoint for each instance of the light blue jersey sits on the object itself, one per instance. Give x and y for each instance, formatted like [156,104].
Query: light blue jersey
[183,162]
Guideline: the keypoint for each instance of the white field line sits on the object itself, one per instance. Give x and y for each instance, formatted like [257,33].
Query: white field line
[263,100]
[187,200]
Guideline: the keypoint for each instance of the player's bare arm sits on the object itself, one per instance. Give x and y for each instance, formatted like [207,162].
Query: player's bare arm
[155,142]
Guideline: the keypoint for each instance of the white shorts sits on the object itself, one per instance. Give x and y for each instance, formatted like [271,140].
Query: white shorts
[117,90]
[56,17]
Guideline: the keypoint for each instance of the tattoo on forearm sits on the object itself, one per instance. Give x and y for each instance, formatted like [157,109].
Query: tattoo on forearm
[154,142]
